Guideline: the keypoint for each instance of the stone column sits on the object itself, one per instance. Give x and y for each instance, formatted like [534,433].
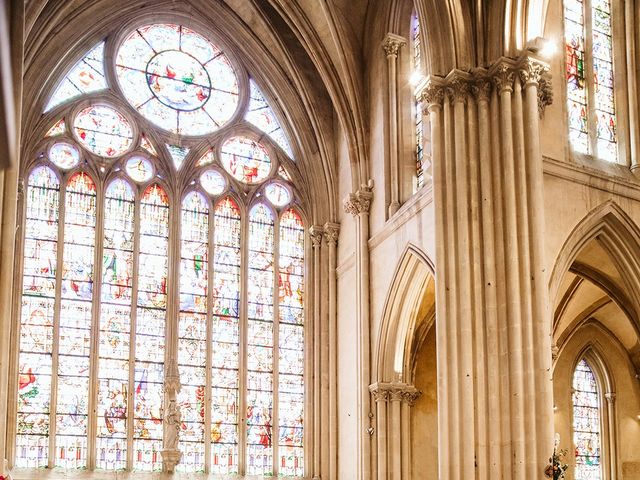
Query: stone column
[172,418]
[331,232]
[492,306]
[391,46]
[358,205]
[316,232]
[613,434]
[393,432]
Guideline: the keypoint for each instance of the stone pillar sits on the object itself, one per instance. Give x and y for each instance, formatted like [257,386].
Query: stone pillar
[331,232]
[393,419]
[492,305]
[172,418]
[391,46]
[613,434]
[358,205]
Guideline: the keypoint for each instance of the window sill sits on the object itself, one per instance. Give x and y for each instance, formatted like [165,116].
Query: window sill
[59,473]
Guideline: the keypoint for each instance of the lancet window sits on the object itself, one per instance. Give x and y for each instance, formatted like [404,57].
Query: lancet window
[591,102]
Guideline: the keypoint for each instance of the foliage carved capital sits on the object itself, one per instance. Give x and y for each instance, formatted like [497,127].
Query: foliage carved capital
[316,232]
[359,202]
[392,44]
[331,233]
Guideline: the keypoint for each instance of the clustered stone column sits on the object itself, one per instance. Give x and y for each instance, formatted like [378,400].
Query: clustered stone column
[358,205]
[391,46]
[494,360]
[393,402]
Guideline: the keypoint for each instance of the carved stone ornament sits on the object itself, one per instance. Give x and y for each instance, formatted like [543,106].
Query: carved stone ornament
[458,86]
[172,380]
[432,94]
[316,232]
[359,202]
[481,89]
[394,392]
[392,44]
[502,73]
[331,233]
[172,421]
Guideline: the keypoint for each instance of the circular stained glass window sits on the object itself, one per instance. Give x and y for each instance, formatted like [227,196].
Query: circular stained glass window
[177,79]
[245,159]
[64,155]
[103,130]
[277,194]
[213,182]
[139,169]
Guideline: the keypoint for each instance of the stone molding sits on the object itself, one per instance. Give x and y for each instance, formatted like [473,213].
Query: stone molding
[458,85]
[360,201]
[172,379]
[392,44]
[316,232]
[394,392]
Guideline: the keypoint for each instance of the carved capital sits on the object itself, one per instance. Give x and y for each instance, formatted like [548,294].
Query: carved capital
[410,396]
[502,75]
[432,94]
[394,392]
[392,44]
[459,86]
[531,70]
[545,93]
[611,397]
[359,202]
[331,233]
[481,89]
[316,232]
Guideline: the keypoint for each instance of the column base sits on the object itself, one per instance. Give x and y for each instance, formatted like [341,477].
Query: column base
[170,458]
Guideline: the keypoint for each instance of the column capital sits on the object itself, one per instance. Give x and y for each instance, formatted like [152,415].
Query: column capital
[458,85]
[392,43]
[611,397]
[395,392]
[481,89]
[331,233]
[316,232]
[359,202]
[502,74]
[431,92]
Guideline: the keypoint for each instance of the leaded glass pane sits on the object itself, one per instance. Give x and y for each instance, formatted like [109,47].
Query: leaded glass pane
[586,423]
[291,345]
[260,342]
[150,330]
[74,337]
[37,318]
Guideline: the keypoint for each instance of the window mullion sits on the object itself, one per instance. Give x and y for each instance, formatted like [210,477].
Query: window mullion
[275,420]
[209,320]
[242,366]
[132,330]
[592,119]
[92,426]
[56,326]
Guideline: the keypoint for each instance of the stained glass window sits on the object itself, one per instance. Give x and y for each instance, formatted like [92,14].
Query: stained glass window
[260,343]
[114,289]
[590,85]
[150,329]
[177,79]
[85,77]
[114,383]
[422,158]
[262,116]
[291,344]
[586,423]
[245,159]
[103,130]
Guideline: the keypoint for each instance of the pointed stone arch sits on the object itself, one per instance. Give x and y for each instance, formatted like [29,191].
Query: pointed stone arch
[402,324]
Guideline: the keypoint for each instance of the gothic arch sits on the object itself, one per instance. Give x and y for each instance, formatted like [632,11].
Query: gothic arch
[618,234]
[408,314]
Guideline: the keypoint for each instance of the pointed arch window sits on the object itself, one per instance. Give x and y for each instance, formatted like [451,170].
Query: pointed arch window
[173,241]
[587,423]
[421,156]
[591,102]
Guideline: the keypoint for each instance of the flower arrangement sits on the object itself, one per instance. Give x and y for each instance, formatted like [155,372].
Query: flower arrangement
[557,468]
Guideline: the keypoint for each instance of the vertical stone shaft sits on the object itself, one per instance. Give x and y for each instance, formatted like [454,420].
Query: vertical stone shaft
[358,204]
[315,233]
[391,45]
